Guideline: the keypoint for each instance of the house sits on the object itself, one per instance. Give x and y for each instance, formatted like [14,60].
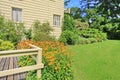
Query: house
[27,11]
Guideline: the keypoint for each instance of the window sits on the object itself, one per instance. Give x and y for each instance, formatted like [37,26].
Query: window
[16,14]
[56,20]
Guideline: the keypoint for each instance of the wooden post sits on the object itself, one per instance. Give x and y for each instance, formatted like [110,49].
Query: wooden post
[39,60]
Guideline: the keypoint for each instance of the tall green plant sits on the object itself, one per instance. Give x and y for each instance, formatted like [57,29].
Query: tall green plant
[10,31]
[69,37]
[41,32]
[68,23]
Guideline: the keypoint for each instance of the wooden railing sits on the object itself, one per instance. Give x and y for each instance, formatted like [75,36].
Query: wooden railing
[15,53]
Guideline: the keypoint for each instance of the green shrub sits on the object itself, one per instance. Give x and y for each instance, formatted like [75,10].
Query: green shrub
[6,45]
[43,37]
[68,23]
[10,31]
[28,34]
[41,32]
[1,41]
[83,41]
[93,33]
[92,40]
[68,37]
[118,34]
[81,25]
[87,40]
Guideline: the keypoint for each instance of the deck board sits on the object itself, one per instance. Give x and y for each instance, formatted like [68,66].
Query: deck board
[10,63]
[4,66]
[10,77]
[16,76]
[2,63]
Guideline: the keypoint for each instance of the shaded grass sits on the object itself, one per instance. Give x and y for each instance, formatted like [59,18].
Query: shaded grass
[98,61]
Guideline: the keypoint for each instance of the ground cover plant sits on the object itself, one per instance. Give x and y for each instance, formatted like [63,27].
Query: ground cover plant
[57,61]
[6,45]
[98,61]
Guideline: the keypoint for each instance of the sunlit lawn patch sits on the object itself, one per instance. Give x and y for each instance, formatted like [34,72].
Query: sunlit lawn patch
[98,61]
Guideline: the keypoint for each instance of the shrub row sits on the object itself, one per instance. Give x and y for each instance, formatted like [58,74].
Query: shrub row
[84,36]
[87,40]
[13,32]
[93,33]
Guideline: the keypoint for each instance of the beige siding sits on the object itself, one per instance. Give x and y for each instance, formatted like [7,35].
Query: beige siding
[42,10]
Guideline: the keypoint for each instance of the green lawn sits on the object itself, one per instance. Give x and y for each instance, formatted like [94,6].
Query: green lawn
[98,61]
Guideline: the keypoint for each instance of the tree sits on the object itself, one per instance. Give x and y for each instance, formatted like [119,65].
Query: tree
[66,2]
[105,17]
[109,8]
[75,12]
[68,23]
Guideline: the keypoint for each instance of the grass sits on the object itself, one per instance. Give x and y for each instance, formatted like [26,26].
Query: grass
[98,61]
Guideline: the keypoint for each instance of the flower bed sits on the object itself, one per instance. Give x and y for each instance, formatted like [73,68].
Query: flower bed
[57,62]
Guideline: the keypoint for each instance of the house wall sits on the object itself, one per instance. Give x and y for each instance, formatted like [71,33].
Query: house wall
[42,10]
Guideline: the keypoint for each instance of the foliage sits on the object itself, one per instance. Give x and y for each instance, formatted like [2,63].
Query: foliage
[6,45]
[28,34]
[10,31]
[41,32]
[57,61]
[109,8]
[87,40]
[117,34]
[75,12]
[68,23]
[105,17]
[93,33]
[81,25]
[66,2]
[84,41]
[68,37]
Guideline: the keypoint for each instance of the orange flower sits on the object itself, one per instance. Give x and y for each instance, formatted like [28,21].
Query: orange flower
[52,59]
[50,63]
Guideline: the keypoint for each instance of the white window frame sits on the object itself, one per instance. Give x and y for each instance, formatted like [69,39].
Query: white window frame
[56,20]
[17,14]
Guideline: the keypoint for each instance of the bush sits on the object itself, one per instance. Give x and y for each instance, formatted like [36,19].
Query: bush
[81,25]
[6,45]
[10,31]
[92,33]
[42,32]
[92,40]
[87,40]
[68,37]
[84,41]
[68,23]
[28,34]
[118,34]
[57,62]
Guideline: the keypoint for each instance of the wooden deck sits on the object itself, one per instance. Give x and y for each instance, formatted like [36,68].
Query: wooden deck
[10,63]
